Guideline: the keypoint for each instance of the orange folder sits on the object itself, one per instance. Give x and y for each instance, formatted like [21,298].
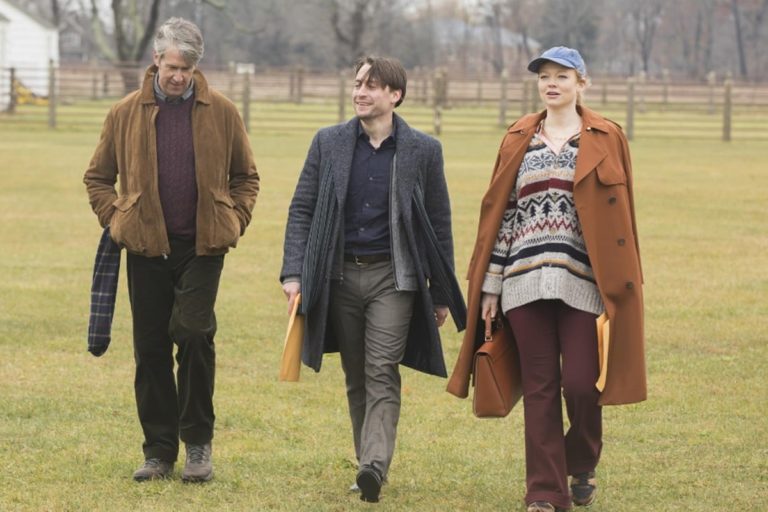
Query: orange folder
[290,362]
[603,344]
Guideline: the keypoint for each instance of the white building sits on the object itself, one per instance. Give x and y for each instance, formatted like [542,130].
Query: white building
[27,44]
[4,92]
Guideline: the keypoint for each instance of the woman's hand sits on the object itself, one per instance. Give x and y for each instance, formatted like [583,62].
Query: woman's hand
[489,304]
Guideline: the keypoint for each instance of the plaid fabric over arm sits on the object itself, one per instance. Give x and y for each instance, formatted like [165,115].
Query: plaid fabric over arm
[106,271]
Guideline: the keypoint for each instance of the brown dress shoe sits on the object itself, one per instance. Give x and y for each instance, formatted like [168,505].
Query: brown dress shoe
[198,467]
[153,469]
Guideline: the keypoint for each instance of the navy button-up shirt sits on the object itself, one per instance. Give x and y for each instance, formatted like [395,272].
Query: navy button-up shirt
[366,215]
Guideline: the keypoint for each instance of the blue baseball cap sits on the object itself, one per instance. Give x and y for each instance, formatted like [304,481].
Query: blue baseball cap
[567,57]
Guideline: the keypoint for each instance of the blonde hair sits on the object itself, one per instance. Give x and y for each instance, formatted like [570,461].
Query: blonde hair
[584,80]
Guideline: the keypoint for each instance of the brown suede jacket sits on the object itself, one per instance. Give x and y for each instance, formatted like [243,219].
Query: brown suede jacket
[227,180]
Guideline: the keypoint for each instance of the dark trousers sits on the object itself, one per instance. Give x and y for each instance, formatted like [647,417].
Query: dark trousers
[371,320]
[172,301]
[545,330]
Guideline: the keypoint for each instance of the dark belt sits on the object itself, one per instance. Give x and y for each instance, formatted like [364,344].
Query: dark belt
[367,259]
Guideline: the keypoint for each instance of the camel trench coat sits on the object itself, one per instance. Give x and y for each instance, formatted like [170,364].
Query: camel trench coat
[604,202]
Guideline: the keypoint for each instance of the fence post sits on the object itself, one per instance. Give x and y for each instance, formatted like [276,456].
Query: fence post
[444,87]
[664,89]
[437,119]
[604,94]
[51,95]
[712,81]
[292,85]
[415,75]
[630,124]
[440,88]
[728,86]
[14,97]
[479,91]
[342,95]
[534,95]
[503,100]
[524,97]
[641,92]
[94,87]
[438,101]
[247,100]
[105,86]
[300,85]
[231,73]
[425,88]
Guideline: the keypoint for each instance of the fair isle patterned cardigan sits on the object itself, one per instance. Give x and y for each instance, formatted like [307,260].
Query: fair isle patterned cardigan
[539,251]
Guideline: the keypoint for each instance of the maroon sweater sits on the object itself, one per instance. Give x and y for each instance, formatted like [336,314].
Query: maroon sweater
[176,167]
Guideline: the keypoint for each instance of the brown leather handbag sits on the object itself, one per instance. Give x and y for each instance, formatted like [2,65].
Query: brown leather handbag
[496,373]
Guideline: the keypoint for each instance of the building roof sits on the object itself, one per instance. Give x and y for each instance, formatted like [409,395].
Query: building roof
[449,28]
[36,17]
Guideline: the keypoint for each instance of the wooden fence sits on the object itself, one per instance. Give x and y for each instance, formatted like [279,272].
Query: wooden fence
[78,97]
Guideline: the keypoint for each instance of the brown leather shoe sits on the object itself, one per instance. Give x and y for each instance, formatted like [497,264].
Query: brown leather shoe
[153,469]
[583,488]
[198,467]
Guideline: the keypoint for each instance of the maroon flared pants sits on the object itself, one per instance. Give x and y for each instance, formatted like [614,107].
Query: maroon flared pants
[548,331]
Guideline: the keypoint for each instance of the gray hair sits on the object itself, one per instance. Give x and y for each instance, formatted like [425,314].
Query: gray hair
[184,36]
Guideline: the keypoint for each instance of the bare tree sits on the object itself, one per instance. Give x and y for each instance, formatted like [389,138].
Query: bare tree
[350,19]
[736,12]
[757,36]
[704,39]
[493,18]
[749,19]
[520,15]
[571,23]
[134,27]
[689,36]
[646,15]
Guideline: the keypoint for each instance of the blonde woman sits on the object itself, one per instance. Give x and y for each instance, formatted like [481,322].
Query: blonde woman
[556,247]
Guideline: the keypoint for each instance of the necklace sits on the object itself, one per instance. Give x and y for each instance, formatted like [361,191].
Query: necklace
[557,136]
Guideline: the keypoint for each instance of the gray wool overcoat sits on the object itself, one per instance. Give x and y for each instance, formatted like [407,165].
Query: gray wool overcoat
[420,230]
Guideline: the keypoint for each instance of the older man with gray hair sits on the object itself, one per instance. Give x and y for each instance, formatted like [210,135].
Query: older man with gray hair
[187,185]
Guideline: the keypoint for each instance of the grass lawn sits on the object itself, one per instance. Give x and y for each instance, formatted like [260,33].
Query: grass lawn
[69,433]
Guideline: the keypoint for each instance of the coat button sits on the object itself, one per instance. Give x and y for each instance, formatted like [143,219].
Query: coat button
[630,285]
[621,242]
[612,200]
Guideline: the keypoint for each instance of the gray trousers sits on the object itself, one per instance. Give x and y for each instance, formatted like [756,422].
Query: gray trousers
[371,319]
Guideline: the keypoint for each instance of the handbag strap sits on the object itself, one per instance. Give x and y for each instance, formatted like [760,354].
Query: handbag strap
[488,327]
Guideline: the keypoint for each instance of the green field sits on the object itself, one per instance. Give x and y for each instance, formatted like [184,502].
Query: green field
[69,433]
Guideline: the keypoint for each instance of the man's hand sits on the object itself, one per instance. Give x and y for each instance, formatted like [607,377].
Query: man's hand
[441,313]
[291,290]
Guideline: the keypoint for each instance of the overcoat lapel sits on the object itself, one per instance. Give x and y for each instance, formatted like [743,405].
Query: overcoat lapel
[406,166]
[591,153]
[592,149]
[341,159]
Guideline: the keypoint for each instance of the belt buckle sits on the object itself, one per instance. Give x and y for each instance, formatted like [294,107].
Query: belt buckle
[358,262]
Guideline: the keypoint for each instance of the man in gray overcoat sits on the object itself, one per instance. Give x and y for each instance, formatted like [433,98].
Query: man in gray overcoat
[368,245]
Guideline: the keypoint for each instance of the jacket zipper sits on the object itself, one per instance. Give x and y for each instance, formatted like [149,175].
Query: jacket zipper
[153,134]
